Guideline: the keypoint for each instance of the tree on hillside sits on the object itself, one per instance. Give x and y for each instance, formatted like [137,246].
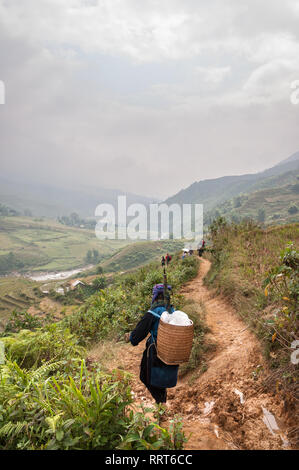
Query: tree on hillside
[88,257]
[237,201]
[235,218]
[74,219]
[261,217]
[99,283]
[64,220]
[92,256]
[295,188]
[217,225]
[293,209]
[4,210]
[95,256]
[27,213]
[99,270]
[9,263]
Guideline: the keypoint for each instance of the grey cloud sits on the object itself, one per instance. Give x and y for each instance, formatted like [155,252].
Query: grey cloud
[204,90]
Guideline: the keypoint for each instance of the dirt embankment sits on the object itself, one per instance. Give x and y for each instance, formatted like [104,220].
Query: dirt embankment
[223,407]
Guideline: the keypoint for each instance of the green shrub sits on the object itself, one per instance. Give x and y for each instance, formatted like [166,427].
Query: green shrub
[282,283]
[33,348]
[293,209]
[21,320]
[44,409]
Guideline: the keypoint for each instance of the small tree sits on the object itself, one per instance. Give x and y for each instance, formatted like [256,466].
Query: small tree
[235,218]
[99,270]
[293,209]
[27,213]
[88,257]
[99,283]
[261,215]
[95,255]
[295,188]
[237,201]
[74,219]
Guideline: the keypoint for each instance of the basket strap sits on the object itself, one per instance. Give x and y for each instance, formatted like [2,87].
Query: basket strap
[154,313]
[157,316]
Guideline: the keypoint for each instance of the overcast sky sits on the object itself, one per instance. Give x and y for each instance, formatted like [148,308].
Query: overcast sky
[146,96]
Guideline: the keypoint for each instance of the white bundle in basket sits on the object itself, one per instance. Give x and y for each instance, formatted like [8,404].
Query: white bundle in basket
[178,318]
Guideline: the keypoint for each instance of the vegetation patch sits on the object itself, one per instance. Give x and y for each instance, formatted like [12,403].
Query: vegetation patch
[113,311]
[63,405]
[47,245]
[258,270]
[50,399]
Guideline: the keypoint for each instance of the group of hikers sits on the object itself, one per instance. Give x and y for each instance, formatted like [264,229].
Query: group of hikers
[165,260]
[189,252]
[155,374]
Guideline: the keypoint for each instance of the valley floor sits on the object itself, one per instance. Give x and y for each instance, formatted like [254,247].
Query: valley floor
[214,411]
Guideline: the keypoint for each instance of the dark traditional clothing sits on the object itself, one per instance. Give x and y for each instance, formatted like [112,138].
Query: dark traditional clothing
[149,358]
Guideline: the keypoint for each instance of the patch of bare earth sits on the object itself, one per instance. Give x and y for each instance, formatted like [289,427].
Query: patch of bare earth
[49,306]
[222,409]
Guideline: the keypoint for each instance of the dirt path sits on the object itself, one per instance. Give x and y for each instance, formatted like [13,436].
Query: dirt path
[231,369]
[211,405]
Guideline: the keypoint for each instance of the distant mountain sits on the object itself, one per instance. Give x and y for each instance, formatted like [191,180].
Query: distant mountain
[213,192]
[292,158]
[54,201]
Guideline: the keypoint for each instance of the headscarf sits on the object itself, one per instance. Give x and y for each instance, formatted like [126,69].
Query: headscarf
[159,289]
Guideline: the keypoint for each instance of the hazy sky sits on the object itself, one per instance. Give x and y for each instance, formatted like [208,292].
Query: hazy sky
[146,95]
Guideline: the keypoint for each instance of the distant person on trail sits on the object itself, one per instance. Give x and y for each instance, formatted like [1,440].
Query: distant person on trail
[168,259]
[163,261]
[153,372]
[202,248]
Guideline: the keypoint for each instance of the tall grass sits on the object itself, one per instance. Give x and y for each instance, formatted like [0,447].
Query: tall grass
[258,271]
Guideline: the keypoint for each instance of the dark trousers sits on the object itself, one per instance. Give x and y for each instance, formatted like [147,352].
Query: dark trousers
[159,394]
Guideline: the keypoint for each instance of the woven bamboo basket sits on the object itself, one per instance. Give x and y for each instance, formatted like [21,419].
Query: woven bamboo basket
[174,343]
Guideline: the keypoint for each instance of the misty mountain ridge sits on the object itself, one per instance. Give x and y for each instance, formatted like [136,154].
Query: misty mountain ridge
[53,201]
[213,192]
[294,157]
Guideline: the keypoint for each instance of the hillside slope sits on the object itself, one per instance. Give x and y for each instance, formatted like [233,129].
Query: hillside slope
[53,201]
[257,271]
[45,245]
[280,205]
[213,192]
[140,253]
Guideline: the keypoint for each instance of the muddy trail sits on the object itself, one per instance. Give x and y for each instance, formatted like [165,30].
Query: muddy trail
[222,408]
